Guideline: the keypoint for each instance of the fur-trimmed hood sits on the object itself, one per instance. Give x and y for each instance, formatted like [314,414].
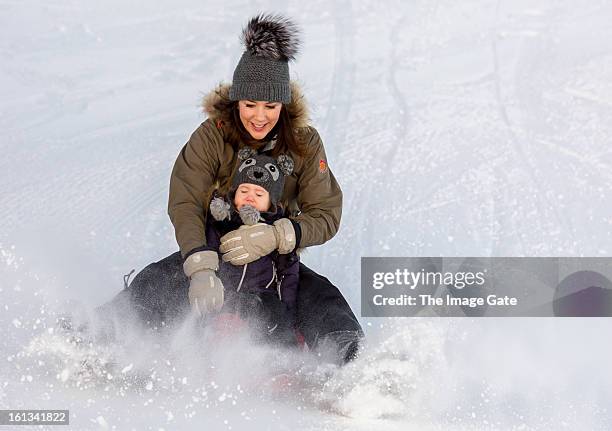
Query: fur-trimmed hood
[297,109]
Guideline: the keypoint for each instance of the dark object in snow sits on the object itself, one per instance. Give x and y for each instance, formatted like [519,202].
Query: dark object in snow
[583,294]
[158,296]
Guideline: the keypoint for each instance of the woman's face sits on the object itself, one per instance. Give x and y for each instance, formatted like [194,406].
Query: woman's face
[259,117]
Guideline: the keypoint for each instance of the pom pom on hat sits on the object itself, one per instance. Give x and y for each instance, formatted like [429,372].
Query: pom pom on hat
[271,36]
[262,73]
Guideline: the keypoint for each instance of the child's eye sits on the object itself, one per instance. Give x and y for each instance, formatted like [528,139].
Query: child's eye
[270,107]
[249,106]
[258,195]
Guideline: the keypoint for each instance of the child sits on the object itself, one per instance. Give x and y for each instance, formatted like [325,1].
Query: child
[263,292]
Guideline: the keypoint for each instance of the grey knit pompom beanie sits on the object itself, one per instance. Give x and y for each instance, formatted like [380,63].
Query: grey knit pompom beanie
[262,73]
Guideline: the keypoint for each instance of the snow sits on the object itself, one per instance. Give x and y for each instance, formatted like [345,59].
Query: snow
[490,121]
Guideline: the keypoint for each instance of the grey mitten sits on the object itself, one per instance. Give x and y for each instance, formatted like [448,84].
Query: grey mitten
[205,288]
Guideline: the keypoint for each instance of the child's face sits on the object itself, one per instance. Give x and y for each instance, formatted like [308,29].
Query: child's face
[253,195]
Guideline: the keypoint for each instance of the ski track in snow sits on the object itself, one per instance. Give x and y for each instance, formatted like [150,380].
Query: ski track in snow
[455,129]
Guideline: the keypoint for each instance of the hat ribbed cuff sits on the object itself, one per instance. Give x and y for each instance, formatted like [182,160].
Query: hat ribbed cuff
[264,91]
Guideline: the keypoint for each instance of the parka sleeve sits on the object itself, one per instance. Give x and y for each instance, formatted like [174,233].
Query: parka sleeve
[192,178]
[319,197]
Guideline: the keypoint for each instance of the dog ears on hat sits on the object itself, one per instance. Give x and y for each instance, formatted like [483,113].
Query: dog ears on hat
[245,153]
[285,164]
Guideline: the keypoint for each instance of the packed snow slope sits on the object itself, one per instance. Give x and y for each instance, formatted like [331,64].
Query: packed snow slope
[472,128]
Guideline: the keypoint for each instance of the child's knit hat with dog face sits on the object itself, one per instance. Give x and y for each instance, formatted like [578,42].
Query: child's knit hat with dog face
[262,170]
[259,169]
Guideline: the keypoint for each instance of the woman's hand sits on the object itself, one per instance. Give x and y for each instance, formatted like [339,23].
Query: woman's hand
[205,288]
[205,292]
[248,243]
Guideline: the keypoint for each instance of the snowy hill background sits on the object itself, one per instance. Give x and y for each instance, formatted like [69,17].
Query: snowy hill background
[469,128]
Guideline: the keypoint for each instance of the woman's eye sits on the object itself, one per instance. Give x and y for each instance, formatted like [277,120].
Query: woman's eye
[259,195]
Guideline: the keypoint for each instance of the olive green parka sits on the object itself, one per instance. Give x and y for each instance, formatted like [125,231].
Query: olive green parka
[206,164]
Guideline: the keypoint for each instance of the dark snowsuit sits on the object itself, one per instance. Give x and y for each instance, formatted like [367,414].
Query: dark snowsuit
[263,292]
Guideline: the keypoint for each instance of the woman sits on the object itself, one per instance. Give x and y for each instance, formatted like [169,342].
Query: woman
[264,111]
